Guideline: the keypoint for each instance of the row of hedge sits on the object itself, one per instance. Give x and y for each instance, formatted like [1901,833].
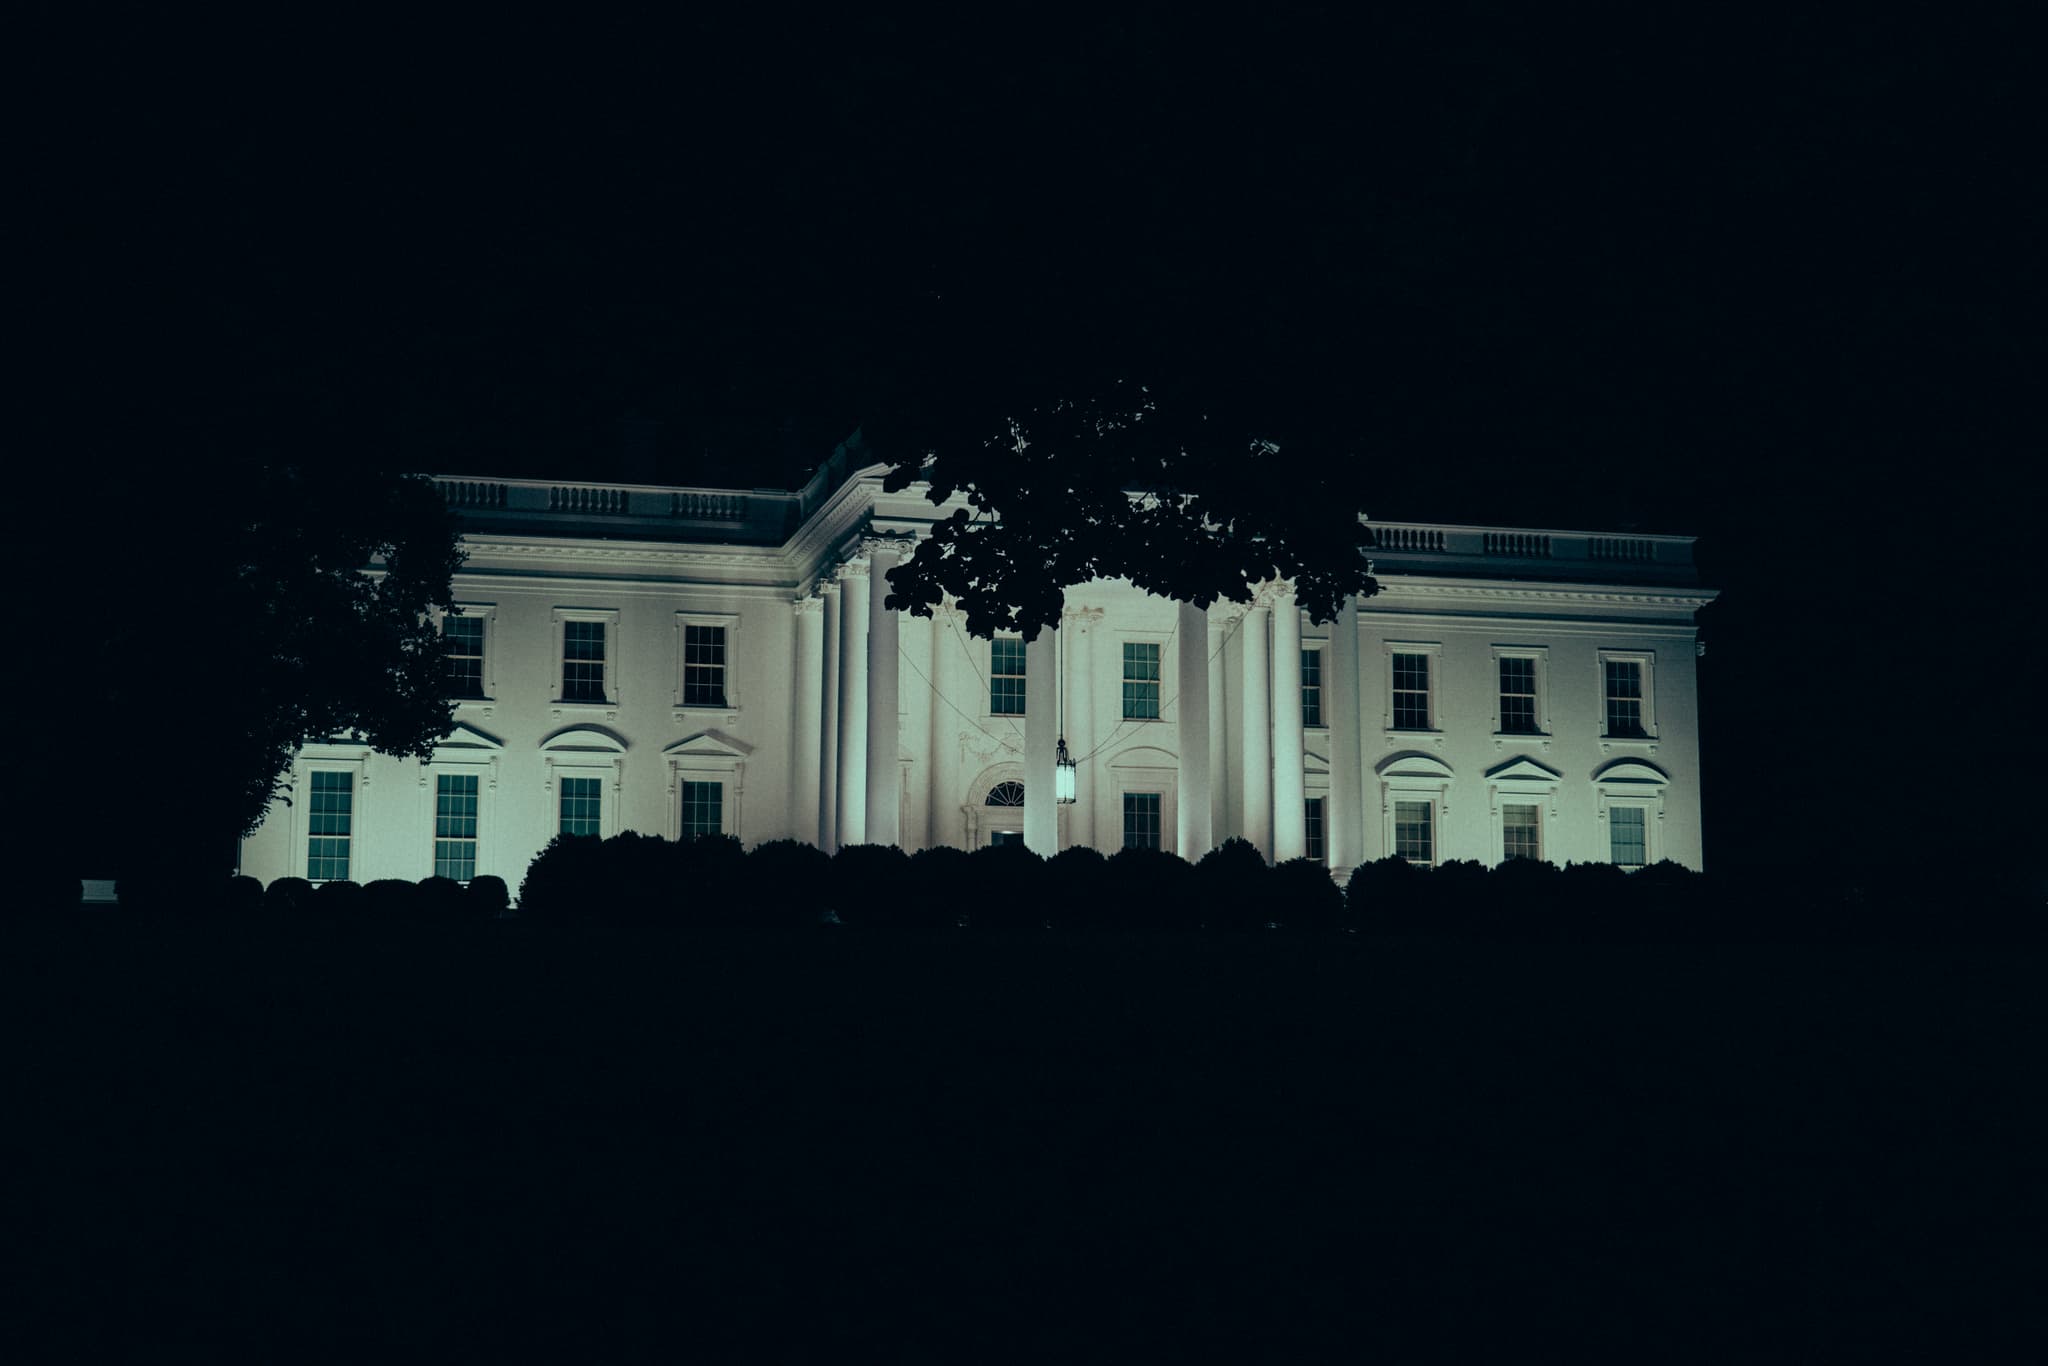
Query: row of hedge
[712,881]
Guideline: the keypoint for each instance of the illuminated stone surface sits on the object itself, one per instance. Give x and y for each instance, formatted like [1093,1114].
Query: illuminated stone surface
[794,739]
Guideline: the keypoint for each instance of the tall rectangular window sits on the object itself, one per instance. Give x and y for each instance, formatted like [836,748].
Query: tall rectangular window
[1006,676]
[330,821]
[1311,688]
[465,637]
[1521,831]
[1628,836]
[1313,824]
[1411,692]
[703,666]
[1624,688]
[1517,695]
[1141,681]
[583,661]
[703,809]
[1415,831]
[1141,818]
[582,805]
[455,826]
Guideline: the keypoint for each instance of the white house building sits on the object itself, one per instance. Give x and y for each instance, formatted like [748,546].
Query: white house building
[679,661]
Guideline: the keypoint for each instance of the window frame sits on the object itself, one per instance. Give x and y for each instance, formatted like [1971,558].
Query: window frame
[1522,782]
[468,752]
[1124,797]
[1410,777]
[988,700]
[1539,657]
[1320,649]
[330,757]
[1646,661]
[1520,803]
[353,772]
[1157,640]
[584,752]
[708,757]
[609,705]
[1429,804]
[1315,824]
[1631,783]
[487,614]
[1433,651]
[730,623]
[459,773]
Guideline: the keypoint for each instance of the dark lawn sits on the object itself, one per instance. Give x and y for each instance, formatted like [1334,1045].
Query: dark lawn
[279,1140]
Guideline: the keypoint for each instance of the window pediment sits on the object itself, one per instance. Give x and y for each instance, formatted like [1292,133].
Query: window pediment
[1143,756]
[467,739]
[1522,770]
[1624,771]
[583,739]
[712,744]
[1414,764]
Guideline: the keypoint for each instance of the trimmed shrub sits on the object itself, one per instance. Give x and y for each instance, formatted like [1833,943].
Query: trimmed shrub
[391,898]
[708,884]
[866,880]
[639,880]
[1008,888]
[340,898]
[787,880]
[1306,897]
[565,880]
[48,890]
[288,896]
[1385,895]
[487,897]
[440,898]
[939,890]
[1234,887]
[1150,889]
[1076,880]
[243,896]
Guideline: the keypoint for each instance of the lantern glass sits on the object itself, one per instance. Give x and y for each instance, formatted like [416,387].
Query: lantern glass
[1063,776]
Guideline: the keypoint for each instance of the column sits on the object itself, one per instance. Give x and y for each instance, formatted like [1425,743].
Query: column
[1191,638]
[1041,743]
[1219,633]
[1290,817]
[828,712]
[853,704]
[808,697]
[1257,773]
[1340,678]
[1080,719]
[885,743]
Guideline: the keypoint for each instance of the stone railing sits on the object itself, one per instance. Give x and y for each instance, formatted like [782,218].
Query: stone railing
[1421,543]
[752,513]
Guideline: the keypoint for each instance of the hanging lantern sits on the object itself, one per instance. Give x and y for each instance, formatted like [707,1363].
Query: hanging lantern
[1063,775]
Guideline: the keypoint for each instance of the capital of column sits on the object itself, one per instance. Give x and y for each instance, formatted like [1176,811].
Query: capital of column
[810,601]
[854,564]
[901,544]
[1273,592]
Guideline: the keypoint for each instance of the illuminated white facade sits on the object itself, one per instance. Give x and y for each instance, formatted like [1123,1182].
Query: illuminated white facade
[676,660]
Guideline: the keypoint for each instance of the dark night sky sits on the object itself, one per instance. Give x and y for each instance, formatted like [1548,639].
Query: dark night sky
[1776,286]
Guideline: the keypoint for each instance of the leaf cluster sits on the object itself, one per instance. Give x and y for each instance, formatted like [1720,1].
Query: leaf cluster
[1123,484]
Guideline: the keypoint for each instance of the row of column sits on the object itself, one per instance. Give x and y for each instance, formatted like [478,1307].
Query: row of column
[847,646]
[1271,768]
[847,684]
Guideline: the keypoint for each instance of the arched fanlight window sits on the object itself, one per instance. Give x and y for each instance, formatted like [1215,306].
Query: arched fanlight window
[1005,794]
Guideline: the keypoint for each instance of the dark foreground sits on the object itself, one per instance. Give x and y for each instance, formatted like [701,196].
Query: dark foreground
[300,1141]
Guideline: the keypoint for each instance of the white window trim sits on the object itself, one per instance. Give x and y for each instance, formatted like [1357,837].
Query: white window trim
[1647,741]
[1543,734]
[977,818]
[487,613]
[465,751]
[329,758]
[1522,783]
[730,712]
[1630,782]
[584,752]
[1167,666]
[1144,771]
[609,708]
[1415,777]
[1321,646]
[708,757]
[987,675]
[1435,651]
